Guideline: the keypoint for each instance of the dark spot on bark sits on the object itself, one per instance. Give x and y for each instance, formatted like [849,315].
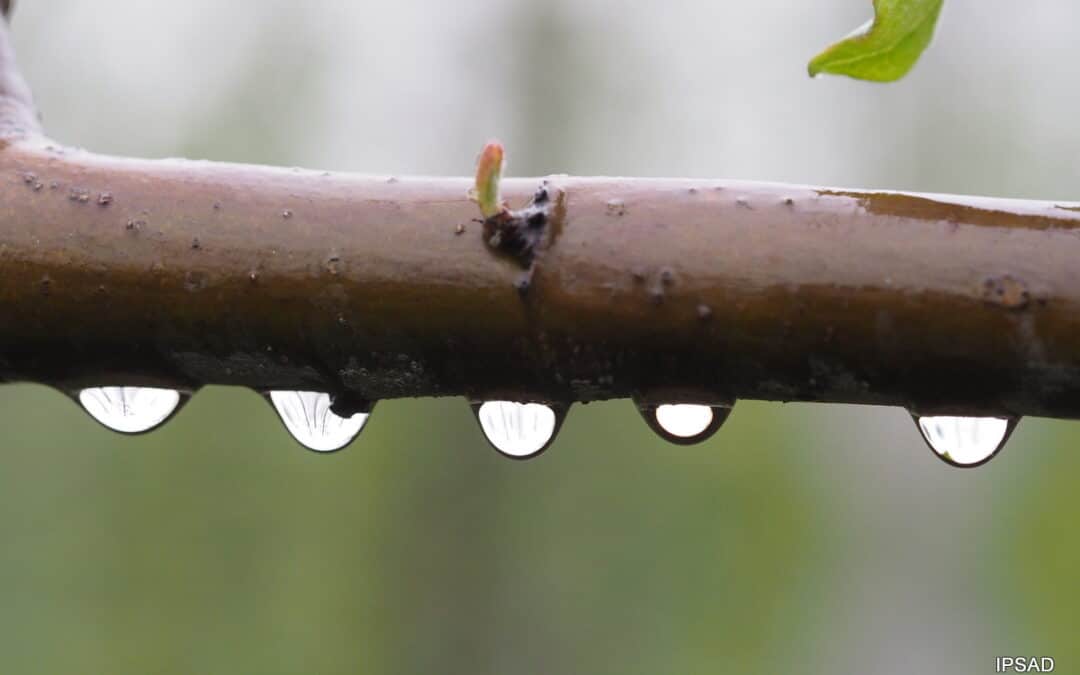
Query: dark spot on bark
[333,264]
[667,277]
[537,219]
[196,244]
[45,285]
[1006,291]
[523,284]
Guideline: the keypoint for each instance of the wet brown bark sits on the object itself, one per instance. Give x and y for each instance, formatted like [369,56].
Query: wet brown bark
[121,271]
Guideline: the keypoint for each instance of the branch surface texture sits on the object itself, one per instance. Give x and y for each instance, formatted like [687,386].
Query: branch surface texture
[183,273]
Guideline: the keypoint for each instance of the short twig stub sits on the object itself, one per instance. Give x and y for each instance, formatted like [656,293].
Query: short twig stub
[518,233]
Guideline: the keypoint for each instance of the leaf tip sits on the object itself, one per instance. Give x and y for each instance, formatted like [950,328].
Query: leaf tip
[489,167]
[885,48]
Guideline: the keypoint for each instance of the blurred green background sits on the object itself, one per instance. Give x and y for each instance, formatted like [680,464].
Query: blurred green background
[801,538]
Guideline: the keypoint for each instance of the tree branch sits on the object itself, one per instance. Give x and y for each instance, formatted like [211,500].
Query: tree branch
[182,273]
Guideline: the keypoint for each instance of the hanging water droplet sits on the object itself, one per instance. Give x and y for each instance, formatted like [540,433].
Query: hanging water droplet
[965,441]
[307,416]
[684,423]
[131,410]
[519,430]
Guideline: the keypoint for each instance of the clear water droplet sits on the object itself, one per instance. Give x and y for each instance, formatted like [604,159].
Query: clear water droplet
[131,410]
[684,423]
[307,416]
[519,430]
[965,441]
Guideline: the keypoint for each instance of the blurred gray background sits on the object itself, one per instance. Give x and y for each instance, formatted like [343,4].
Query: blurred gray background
[801,538]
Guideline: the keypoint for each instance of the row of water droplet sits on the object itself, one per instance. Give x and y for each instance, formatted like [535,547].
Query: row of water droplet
[517,430]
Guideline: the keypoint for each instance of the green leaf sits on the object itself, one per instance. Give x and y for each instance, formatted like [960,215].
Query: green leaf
[888,48]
